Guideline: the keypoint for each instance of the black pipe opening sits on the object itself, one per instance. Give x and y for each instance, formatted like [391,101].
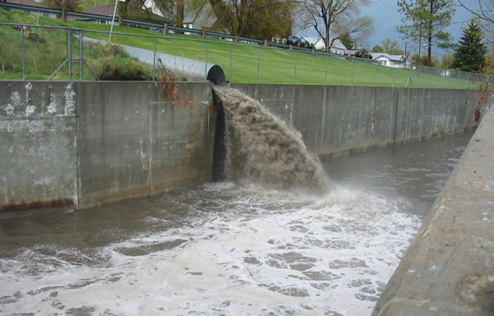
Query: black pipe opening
[216,75]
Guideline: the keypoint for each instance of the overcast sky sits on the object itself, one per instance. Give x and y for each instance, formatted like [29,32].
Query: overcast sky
[387,19]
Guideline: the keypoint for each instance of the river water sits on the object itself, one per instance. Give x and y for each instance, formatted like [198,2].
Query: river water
[221,249]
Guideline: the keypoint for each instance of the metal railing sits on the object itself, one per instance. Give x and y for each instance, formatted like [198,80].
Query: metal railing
[68,56]
[150,25]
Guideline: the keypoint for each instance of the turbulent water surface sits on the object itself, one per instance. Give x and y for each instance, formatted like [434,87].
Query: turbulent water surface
[222,249]
[216,250]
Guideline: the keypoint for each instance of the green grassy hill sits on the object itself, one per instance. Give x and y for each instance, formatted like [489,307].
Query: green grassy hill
[241,62]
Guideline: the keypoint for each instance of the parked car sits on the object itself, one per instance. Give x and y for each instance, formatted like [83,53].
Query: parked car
[298,41]
[360,53]
[363,53]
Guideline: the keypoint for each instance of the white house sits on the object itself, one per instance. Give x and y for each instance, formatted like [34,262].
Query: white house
[197,14]
[337,48]
[384,59]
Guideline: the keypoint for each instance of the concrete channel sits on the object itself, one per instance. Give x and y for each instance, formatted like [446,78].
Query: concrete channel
[449,268]
[81,144]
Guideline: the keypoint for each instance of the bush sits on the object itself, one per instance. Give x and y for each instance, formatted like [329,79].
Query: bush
[112,63]
[111,68]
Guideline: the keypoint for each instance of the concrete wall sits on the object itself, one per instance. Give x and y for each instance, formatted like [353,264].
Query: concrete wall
[337,119]
[86,143]
[449,268]
[38,145]
[134,141]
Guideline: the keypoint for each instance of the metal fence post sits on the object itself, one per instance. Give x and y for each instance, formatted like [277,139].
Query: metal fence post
[231,48]
[353,60]
[154,60]
[258,62]
[81,54]
[326,74]
[295,69]
[393,70]
[23,54]
[69,54]
[374,74]
[206,66]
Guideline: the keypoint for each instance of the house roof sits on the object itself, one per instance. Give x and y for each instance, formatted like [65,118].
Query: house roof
[108,11]
[338,44]
[27,2]
[101,10]
[388,56]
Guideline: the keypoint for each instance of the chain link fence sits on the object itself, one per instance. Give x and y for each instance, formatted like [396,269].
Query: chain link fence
[40,52]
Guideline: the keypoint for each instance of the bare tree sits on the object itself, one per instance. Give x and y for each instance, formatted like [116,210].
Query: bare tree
[484,10]
[388,46]
[64,5]
[360,29]
[259,19]
[135,9]
[179,12]
[337,18]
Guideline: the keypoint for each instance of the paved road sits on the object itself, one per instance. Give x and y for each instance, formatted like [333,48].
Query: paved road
[181,67]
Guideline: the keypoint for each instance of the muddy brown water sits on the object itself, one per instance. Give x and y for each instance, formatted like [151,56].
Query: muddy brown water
[229,248]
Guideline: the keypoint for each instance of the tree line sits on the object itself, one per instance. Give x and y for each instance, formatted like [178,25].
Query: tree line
[424,22]
[332,20]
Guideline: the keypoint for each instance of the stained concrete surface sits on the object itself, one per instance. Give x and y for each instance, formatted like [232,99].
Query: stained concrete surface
[449,268]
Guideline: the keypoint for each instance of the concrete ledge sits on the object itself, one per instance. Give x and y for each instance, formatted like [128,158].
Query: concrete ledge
[449,268]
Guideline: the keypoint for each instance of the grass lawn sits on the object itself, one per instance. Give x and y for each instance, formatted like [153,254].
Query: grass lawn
[241,62]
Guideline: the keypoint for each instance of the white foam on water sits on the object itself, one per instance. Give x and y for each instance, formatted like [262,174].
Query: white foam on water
[245,252]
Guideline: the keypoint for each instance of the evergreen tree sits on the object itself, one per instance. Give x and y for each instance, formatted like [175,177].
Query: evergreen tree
[470,52]
[347,40]
[425,21]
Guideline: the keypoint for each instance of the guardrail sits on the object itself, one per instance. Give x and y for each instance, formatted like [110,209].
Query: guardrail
[151,25]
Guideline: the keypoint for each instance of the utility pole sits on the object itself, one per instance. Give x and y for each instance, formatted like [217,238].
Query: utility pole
[113,20]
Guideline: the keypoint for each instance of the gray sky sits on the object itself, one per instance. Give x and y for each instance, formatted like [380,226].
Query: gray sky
[387,19]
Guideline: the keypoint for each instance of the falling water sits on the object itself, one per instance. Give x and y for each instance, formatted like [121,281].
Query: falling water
[262,149]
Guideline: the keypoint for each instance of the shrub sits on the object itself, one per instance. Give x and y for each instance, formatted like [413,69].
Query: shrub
[110,62]
[114,68]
